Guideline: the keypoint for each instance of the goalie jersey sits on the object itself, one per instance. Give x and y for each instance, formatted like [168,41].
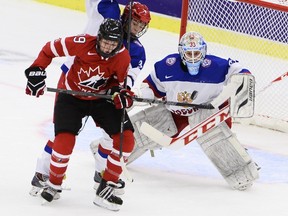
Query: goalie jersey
[170,79]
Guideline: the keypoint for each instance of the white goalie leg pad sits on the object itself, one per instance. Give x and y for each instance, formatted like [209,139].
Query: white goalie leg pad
[230,158]
[157,116]
[199,117]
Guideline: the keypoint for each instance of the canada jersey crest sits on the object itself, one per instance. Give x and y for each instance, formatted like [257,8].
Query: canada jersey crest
[92,78]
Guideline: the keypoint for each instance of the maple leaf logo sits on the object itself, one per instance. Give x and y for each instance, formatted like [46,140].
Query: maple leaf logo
[92,78]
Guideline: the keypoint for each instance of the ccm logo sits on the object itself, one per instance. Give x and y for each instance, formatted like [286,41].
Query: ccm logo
[203,127]
[37,73]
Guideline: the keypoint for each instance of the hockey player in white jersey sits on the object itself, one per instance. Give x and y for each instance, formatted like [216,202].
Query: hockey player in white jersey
[193,76]
[139,25]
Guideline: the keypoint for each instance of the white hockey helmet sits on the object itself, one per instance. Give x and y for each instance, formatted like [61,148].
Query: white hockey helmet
[192,49]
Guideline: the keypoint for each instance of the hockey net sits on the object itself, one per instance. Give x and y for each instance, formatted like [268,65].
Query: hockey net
[254,33]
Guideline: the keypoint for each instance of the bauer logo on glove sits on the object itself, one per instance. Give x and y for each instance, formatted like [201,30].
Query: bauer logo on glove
[36,81]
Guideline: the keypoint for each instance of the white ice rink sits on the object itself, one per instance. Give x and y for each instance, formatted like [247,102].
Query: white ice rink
[182,182]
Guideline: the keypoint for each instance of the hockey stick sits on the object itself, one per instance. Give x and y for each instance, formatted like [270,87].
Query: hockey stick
[145,100]
[279,78]
[166,141]
[157,101]
[79,93]
[210,122]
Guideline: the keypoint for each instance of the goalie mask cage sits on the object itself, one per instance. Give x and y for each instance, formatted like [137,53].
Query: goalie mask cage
[255,34]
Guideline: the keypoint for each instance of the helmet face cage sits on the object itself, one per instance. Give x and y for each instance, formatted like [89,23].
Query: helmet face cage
[111,30]
[140,13]
[192,49]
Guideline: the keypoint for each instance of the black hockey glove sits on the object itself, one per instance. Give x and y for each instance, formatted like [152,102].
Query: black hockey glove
[36,81]
[122,98]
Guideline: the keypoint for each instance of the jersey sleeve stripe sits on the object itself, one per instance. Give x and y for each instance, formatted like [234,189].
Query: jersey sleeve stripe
[53,49]
[64,47]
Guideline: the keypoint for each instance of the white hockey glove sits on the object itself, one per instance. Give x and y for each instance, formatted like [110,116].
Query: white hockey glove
[142,92]
[243,101]
[240,90]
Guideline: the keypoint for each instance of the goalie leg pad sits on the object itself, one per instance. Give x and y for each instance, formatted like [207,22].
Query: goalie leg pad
[199,117]
[230,158]
[157,116]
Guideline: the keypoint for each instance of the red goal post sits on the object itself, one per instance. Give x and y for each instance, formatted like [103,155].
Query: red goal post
[255,33]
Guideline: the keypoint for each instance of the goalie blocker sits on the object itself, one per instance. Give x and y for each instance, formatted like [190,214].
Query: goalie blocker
[212,133]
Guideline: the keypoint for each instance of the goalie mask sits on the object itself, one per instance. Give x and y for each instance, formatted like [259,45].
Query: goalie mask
[140,19]
[110,34]
[192,49]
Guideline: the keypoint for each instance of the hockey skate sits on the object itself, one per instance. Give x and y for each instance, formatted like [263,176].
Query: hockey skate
[50,191]
[98,175]
[118,191]
[38,184]
[105,197]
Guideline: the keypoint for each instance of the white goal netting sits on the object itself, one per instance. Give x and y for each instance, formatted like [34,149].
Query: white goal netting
[257,37]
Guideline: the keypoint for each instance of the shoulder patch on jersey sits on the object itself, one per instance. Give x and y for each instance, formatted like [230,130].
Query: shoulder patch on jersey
[206,62]
[170,61]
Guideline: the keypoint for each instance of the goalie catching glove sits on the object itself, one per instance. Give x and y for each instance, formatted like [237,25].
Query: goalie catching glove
[36,81]
[121,97]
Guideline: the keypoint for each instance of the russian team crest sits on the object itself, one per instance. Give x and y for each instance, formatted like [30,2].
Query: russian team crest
[186,97]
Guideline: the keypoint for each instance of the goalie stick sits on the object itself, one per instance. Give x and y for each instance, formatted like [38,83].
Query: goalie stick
[210,122]
[180,141]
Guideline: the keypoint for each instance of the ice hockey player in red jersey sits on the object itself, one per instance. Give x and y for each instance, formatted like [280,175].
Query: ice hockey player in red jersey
[100,63]
[97,10]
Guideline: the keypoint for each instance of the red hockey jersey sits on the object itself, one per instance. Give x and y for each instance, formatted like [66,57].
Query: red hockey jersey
[89,72]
